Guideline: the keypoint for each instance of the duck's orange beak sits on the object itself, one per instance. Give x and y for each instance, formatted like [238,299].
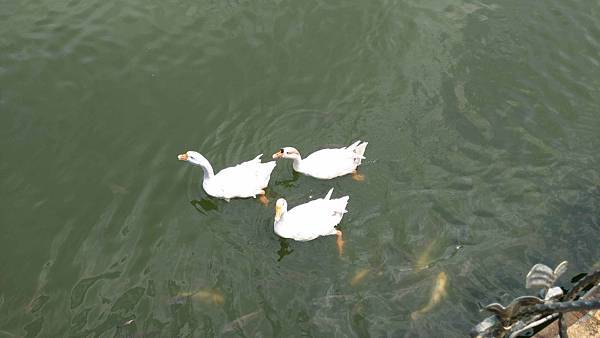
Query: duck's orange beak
[182,157]
[278,154]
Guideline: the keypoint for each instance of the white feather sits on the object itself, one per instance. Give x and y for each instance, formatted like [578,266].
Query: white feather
[329,163]
[246,179]
[310,220]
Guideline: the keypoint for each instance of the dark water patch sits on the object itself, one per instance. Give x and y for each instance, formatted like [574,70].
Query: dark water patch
[33,328]
[79,291]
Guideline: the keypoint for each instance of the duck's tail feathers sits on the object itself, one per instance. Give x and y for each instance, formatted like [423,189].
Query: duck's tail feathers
[270,164]
[341,204]
[353,145]
[358,149]
[328,196]
[265,171]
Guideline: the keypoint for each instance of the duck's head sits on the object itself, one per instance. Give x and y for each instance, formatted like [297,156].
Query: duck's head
[194,158]
[287,152]
[280,209]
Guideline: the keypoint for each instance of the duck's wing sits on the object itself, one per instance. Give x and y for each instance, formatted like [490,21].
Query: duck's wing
[258,171]
[252,167]
[316,218]
[247,178]
[358,148]
[329,163]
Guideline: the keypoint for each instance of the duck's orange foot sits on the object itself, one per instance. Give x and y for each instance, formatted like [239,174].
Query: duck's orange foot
[340,242]
[357,177]
[263,200]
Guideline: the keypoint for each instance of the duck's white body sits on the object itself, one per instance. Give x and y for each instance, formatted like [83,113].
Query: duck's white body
[310,220]
[247,179]
[326,163]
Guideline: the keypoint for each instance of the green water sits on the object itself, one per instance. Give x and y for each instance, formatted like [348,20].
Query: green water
[483,123]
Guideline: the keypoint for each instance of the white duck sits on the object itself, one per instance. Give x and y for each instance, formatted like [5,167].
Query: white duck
[246,179]
[310,220]
[327,163]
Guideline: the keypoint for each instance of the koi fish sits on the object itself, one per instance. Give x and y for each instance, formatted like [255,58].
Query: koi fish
[240,322]
[359,276]
[438,292]
[206,296]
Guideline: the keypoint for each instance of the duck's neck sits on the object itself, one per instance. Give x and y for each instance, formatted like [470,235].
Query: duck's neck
[208,170]
[279,223]
[297,162]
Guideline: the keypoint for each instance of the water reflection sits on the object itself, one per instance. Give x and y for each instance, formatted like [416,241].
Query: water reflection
[284,249]
[204,205]
[359,321]
[289,183]
[425,259]
[81,288]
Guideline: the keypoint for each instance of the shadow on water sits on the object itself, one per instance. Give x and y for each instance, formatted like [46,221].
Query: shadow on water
[205,205]
[290,182]
[284,249]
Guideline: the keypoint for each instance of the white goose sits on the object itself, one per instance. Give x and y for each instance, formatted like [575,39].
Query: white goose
[310,220]
[327,163]
[246,179]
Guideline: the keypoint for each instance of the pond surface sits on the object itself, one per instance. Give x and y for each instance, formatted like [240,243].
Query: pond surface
[483,123]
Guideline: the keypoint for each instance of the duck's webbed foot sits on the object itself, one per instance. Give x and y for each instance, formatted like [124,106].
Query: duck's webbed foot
[340,242]
[357,177]
[263,198]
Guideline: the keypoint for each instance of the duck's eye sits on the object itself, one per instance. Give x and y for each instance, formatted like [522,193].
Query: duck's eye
[281,151]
